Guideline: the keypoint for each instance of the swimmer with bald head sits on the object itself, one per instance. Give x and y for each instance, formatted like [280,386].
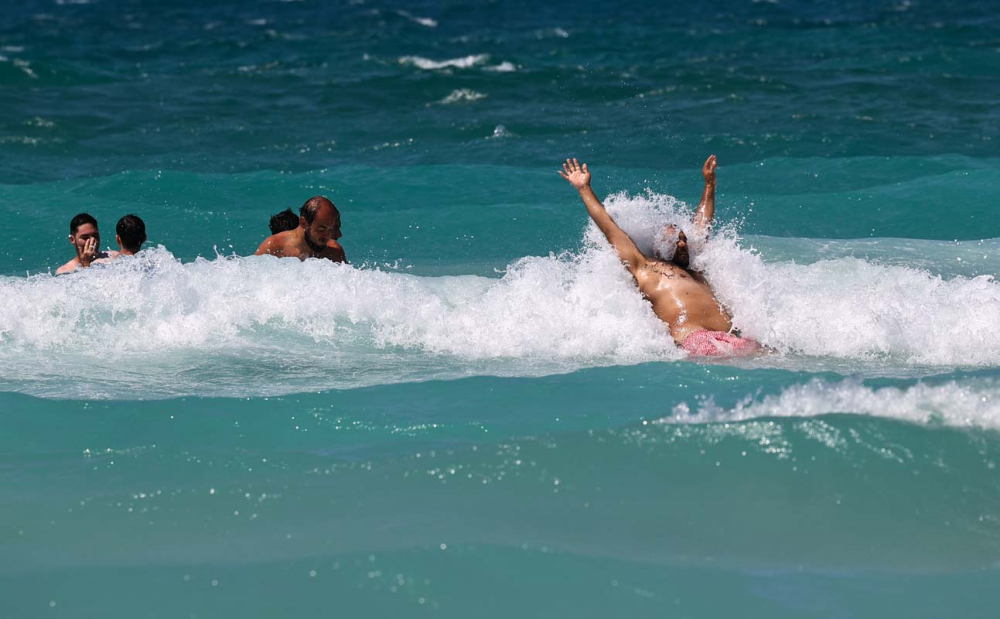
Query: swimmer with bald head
[315,237]
[680,296]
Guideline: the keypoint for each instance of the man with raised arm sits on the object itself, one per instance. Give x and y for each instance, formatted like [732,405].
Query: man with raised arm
[315,237]
[680,297]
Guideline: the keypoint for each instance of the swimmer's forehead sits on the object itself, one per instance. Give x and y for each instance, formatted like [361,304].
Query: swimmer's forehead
[86,230]
[327,219]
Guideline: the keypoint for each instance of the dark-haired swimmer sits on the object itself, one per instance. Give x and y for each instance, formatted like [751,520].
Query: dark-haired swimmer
[680,297]
[86,240]
[285,220]
[130,234]
[316,236]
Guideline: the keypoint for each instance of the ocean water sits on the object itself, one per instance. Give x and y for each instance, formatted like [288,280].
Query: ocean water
[480,416]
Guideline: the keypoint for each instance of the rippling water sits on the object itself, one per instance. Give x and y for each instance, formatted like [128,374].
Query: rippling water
[480,415]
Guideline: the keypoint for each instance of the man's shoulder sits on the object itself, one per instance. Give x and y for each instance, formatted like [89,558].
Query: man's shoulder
[334,251]
[69,267]
[107,257]
[274,244]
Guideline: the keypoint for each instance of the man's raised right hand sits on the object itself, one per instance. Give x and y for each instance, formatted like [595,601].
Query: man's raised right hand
[89,253]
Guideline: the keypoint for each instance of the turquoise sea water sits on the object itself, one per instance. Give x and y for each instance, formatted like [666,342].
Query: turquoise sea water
[480,416]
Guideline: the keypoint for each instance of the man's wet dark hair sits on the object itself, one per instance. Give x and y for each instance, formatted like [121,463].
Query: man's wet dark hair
[132,232]
[312,206]
[285,220]
[79,220]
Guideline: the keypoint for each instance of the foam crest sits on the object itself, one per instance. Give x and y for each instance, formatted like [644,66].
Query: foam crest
[504,67]
[457,63]
[852,308]
[572,306]
[645,218]
[462,95]
[965,404]
[215,322]
[423,21]
[845,307]
[351,326]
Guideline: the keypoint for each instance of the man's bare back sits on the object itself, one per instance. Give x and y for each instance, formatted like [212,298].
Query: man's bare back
[680,297]
[316,236]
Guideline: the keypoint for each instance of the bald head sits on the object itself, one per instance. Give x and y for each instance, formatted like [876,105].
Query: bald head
[314,206]
[321,222]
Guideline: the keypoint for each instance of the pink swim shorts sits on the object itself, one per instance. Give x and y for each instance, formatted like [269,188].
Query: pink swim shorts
[706,343]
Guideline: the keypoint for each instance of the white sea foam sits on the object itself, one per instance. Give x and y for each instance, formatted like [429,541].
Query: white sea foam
[142,324]
[558,306]
[845,307]
[852,308]
[970,403]
[423,21]
[462,95]
[25,66]
[453,63]
[503,67]
[214,322]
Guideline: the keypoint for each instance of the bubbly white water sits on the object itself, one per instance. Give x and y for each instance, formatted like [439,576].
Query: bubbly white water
[965,403]
[462,95]
[151,326]
[457,63]
[845,307]
[423,21]
[851,308]
[260,325]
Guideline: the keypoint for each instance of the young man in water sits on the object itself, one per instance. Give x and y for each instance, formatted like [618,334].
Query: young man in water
[680,297]
[316,236]
[130,235]
[86,240]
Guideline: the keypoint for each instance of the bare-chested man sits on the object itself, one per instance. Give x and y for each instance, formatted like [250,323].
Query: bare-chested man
[316,236]
[680,297]
[86,240]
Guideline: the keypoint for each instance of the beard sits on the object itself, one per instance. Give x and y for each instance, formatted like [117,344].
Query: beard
[312,243]
[681,257]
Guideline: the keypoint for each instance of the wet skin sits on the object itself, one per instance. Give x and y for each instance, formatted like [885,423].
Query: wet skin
[86,242]
[315,240]
[680,297]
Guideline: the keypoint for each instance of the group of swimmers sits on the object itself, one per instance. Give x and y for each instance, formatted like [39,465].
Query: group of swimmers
[311,234]
[130,234]
[680,296]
